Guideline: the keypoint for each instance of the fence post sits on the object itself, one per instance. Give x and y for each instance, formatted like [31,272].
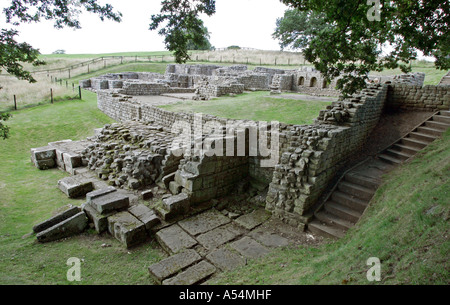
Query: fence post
[69,73]
[51,95]
[73,87]
[67,85]
[15,102]
[79,91]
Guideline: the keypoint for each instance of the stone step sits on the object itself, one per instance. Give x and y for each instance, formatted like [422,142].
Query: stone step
[127,229]
[422,137]
[349,201]
[406,149]
[356,190]
[318,228]
[441,118]
[110,202]
[437,125]
[390,159]
[430,130]
[145,215]
[445,113]
[75,187]
[342,211]
[413,143]
[398,154]
[193,275]
[333,220]
[174,239]
[172,265]
[368,182]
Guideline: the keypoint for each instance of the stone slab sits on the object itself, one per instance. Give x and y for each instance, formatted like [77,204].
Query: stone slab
[56,219]
[253,219]
[69,227]
[174,240]
[178,204]
[127,229]
[74,188]
[192,275]
[225,259]
[100,221]
[219,236]
[43,153]
[98,193]
[269,239]
[172,265]
[204,222]
[110,202]
[145,215]
[249,248]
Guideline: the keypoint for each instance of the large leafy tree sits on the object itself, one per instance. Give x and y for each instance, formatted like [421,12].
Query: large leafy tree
[352,38]
[180,24]
[64,13]
[340,37]
[203,44]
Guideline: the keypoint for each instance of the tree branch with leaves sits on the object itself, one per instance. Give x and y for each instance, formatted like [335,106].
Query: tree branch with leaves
[180,24]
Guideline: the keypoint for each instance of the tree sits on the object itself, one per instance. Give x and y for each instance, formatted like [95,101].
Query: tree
[350,38]
[59,52]
[64,13]
[356,37]
[296,29]
[4,130]
[180,23]
[204,44]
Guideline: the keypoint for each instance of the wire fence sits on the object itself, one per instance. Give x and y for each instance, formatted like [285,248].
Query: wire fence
[46,92]
[20,94]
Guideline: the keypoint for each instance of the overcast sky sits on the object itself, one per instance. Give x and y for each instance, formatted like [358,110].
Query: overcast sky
[246,23]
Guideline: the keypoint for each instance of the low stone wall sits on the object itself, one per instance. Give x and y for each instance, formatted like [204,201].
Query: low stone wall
[418,98]
[315,153]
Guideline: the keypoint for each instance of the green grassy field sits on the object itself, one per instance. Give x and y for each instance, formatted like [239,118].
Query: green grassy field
[28,196]
[258,106]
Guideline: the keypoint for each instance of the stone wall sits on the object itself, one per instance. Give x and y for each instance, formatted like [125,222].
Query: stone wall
[314,153]
[418,98]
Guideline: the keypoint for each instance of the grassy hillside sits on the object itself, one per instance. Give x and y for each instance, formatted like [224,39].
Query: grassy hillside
[28,196]
[406,226]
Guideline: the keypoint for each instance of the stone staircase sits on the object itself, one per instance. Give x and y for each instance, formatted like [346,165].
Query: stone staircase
[350,197]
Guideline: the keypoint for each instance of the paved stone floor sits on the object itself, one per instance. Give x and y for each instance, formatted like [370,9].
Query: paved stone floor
[211,242]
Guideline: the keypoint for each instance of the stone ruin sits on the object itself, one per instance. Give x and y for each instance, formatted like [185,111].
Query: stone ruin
[138,184]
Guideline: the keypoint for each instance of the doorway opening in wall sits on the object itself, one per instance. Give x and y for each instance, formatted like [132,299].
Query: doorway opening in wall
[325,84]
[301,81]
[313,82]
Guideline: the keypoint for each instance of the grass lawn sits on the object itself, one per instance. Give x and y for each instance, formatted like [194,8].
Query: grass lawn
[258,106]
[406,227]
[28,196]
